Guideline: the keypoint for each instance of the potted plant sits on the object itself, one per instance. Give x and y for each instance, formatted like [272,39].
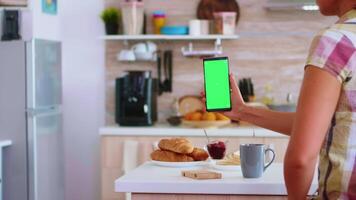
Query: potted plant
[111,18]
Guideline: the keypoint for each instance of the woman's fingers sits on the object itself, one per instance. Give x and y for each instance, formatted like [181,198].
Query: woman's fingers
[233,84]
[236,94]
[202,94]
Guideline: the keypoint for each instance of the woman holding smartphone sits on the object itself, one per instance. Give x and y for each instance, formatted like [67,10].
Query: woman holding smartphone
[324,124]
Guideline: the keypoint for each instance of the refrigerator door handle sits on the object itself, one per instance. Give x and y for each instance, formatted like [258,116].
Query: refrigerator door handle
[31,112]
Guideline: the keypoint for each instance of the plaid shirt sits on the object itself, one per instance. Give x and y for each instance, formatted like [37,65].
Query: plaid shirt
[333,50]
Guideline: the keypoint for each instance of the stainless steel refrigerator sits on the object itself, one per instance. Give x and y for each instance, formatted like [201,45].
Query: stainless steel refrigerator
[30,116]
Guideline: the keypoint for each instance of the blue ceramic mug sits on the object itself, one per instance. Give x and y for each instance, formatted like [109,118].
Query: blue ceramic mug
[253,159]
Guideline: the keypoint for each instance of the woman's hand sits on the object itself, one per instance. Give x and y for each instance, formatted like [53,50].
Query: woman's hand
[237,102]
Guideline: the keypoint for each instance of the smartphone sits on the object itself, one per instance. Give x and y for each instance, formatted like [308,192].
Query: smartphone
[217,84]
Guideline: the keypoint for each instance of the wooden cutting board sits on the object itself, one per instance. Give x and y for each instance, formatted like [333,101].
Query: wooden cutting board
[201,174]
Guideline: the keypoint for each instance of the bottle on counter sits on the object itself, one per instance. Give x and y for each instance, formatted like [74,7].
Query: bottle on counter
[268,99]
[159,20]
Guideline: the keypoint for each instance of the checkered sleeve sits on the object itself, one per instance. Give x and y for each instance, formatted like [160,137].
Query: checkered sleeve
[332,51]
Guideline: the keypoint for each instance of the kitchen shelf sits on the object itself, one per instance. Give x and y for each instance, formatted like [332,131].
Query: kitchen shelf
[169,37]
[21,8]
[304,5]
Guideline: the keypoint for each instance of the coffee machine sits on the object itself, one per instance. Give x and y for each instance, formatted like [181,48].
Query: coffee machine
[136,99]
[10,25]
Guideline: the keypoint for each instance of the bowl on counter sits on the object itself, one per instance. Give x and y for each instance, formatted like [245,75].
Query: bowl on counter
[174,120]
[283,107]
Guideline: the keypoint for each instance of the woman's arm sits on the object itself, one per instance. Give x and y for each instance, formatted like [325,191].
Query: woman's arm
[317,103]
[281,122]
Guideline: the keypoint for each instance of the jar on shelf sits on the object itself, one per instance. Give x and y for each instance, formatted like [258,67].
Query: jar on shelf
[158,21]
[132,17]
[224,23]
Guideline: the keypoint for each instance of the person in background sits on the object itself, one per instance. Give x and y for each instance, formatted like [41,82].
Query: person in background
[324,124]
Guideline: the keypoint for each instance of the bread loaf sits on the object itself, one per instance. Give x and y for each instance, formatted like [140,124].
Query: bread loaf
[168,156]
[199,154]
[178,145]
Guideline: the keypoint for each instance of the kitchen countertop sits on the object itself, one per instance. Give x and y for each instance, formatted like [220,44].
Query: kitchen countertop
[166,130]
[149,178]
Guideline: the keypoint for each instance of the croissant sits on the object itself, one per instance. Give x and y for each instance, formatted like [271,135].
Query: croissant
[178,145]
[199,154]
[168,156]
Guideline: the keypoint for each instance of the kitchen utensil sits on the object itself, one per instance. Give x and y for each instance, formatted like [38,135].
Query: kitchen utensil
[159,72]
[224,23]
[206,8]
[253,159]
[179,164]
[165,68]
[146,47]
[126,55]
[247,89]
[167,64]
[206,124]
[201,174]
[133,17]
[145,51]
[174,30]
[207,137]
[165,85]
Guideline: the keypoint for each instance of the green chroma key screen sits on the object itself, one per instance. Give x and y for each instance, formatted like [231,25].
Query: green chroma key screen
[217,84]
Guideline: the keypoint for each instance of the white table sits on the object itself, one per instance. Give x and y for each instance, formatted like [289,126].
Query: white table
[3,144]
[150,181]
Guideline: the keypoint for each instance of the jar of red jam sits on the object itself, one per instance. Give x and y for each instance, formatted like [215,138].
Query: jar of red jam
[217,149]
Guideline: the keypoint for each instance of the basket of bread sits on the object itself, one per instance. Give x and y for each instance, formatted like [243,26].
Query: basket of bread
[178,152]
[200,119]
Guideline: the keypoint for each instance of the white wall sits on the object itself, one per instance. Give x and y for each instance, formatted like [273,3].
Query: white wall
[45,26]
[83,82]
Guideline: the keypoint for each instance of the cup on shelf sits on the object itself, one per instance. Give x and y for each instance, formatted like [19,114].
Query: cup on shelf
[204,27]
[126,55]
[145,51]
[158,21]
[194,27]
[198,27]
[225,23]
